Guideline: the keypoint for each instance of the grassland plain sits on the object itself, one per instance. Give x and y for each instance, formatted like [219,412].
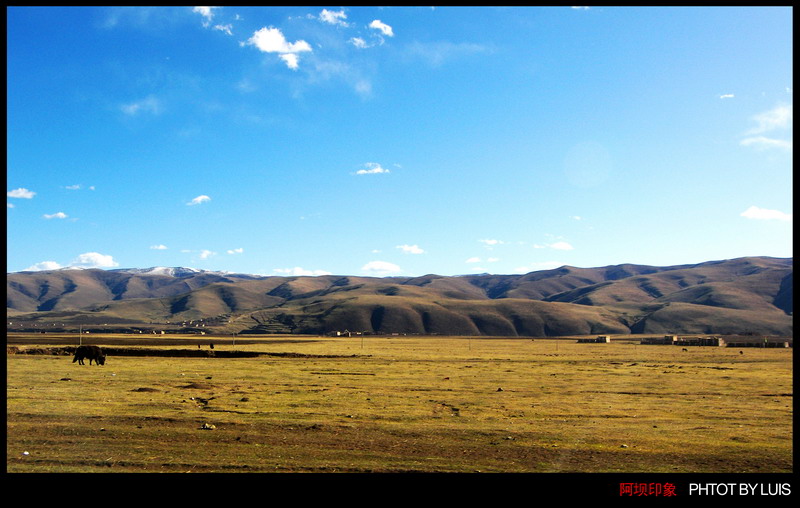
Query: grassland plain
[407,404]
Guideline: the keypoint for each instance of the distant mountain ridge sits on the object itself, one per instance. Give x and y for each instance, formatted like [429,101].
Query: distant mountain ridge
[744,295]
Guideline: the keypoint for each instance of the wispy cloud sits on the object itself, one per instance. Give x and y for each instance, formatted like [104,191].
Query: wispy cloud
[436,53]
[560,245]
[159,247]
[206,12]
[411,249]
[765,143]
[491,242]
[208,15]
[359,42]
[228,29]
[205,254]
[726,96]
[333,17]
[372,168]
[299,272]
[199,199]
[778,118]
[57,215]
[149,104]
[22,193]
[476,259]
[236,251]
[272,40]
[755,212]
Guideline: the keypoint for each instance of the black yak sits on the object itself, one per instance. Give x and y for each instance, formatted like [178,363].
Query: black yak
[90,352]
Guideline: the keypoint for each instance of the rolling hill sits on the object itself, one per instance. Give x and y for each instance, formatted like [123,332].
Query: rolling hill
[745,295]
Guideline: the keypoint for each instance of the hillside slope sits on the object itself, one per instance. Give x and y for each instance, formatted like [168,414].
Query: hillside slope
[746,295]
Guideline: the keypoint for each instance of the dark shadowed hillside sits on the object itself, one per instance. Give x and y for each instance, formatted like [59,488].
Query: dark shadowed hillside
[747,295]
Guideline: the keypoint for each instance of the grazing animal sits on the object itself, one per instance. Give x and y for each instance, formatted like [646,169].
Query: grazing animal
[90,352]
[684,349]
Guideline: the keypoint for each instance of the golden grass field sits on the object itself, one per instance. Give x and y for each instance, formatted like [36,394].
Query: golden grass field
[406,404]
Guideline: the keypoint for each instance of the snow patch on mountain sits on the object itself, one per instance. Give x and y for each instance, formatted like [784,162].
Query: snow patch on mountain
[181,271]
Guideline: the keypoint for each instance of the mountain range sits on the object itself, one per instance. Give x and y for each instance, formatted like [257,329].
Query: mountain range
[751,295]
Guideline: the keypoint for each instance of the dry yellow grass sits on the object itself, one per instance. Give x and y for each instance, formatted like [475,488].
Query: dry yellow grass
[407,404]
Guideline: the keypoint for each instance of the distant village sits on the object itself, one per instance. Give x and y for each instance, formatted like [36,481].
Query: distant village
[198,327]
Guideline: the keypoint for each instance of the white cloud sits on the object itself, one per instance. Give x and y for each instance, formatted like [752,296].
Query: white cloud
[372,169]
[755,212]
[44,265]
[158,247]
[298,272]
[236,251]
[205,254]
[493,260]
[271,40]
[21,193]
[411,249]
[333,17]
[9,205]
[73,187]
[291,59]
[726,96]
[206,12]
[384,28]
[199,199]
[473,260]
[149,104]
[561,246]
[57,215]
[779,117]
[93,260]
[379,268]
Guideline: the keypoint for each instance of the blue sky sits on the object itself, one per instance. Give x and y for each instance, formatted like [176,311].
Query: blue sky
[397,141]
